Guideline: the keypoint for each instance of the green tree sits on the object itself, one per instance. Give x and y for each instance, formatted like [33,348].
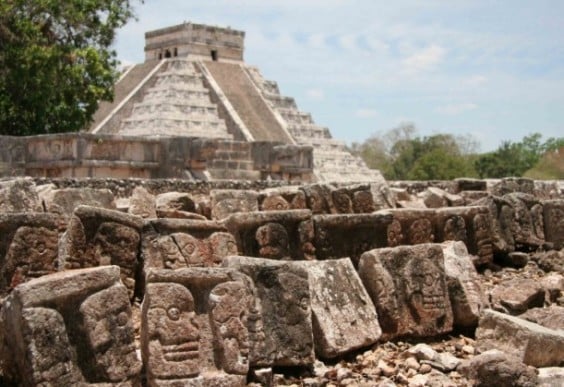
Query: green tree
[56,63]
[515,158]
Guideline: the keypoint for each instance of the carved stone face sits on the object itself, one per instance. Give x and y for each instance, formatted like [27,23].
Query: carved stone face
[424,288]
[172,258]
[384,289]
[222,244]
[421,231]
[173,331]
[342,202]
[109,332]
[32,253]
[455,229]
[194,251]
[538,220]
[363,202]
[395,235]
[116,244]
[273,241]
[230,303]
[482,235]
[275,203]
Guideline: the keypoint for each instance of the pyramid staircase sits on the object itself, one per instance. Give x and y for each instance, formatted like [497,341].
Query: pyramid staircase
[332,161]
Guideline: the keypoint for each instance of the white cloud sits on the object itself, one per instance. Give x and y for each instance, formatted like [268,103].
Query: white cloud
[315,94]
[455,109]
[476,80]
[424,60]
[366,113]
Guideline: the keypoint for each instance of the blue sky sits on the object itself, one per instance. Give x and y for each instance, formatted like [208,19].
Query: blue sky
[492,69]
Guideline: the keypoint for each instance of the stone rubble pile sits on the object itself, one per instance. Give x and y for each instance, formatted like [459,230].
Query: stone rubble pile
[307,285]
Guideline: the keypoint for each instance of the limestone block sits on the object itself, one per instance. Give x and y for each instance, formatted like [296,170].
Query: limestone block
[411,227]
[502,215]
[283,328]
[194,327]
[349,235]
[434,198]
[550,376]
[28,247]
[176,205]
[65,200]
[465,293]
[513,184]
[515,296]
[19,195]
[531,343]
[226,202]
[274,202]
[469,184]
[408,285]
[553,212]
[551,317]
[495,368]
[344,317]
[142,203]
[319,199]
[183,243]
[273,234]
[70,328]
[527,225]
[97,237]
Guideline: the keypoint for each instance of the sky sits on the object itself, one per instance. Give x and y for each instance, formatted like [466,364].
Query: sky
[491,69]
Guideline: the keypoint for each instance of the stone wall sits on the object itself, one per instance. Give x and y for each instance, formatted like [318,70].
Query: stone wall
[110,156]
[217,282]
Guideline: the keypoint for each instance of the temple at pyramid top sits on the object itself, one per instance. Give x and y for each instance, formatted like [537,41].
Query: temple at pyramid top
[195,40]
[194,83]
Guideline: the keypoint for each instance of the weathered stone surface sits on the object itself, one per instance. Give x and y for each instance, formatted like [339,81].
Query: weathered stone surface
[274,202]
[179,243]
[319,198]
[344,317]
[227,202]
[409,288]
[142,203]
[465,293]
[553,212]
[469,184]
[550,260]
[515,296]
[273,234]
[553,285]
[19,195]
[194,328]
[512,184]
[177,205]
[528,232]
[97,237]
[65,200]
[282,326]
[338,236]
[434,198]
[70,328]
[550,317]
[495,368]
[531,343]
[28,247]
[551,376]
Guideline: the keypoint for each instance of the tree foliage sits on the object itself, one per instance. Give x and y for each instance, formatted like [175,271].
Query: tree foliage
[56,62]
[400,155]
[516,158]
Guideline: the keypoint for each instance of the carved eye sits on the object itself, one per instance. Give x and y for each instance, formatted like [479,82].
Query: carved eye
[173,313]
[122,319]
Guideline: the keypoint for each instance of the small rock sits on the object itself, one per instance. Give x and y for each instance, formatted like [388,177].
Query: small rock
[423,352]
[418,381]
[412,363]
[425,369]
[448,361]
[343,373]
[386,369]
[401,378]
[470,350]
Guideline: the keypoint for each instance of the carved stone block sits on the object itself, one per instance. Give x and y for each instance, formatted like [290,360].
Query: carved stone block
[339,236]
[466,295]
[71,328]
[344,316]
[28,247]
[142,203]
[527,223]
[281,328]
[409,288]
[194,328]
[273,234]
[65,200]
[225,202]
[319,198]
[180,243]
[98,237]
[282,198]
[553,212]
[19,195]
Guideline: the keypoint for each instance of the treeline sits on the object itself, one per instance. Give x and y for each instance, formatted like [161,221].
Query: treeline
[400,154]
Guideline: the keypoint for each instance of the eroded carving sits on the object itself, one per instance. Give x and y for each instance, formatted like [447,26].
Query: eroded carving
[420,231]
[273,241]
[455,229]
